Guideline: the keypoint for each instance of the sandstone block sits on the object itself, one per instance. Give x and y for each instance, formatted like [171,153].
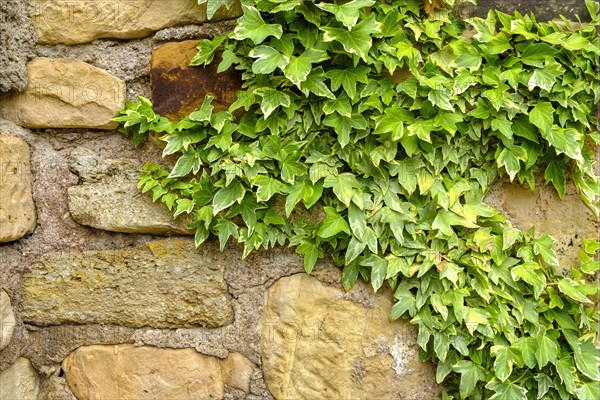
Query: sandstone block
[177,89]
[128,372]
[318,342]
[19,381]
[65,93]
[108,198]
[74,22]
[163,284]
[17,210]
[7,320]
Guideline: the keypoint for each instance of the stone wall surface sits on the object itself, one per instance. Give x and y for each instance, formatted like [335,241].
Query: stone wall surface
[95,301]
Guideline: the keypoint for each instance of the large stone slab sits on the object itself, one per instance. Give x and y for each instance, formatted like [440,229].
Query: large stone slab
[108,198]
[64,93]
[7,320]
[178,89]
[81,21]
[147,373]
[19,381]
[318,342]
[543,10]
[17,210]
[163,284]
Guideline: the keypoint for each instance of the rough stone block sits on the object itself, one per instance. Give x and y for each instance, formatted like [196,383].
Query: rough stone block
[543,10]
[163,284]
[7,320]
[318,342]
[144,373]
[19,381]
[17,210]
[108,198]
[81,21]
[177,89]
[65,93]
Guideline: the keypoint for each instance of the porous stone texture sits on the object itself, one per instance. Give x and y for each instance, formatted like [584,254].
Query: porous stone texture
[108,198]
[17,210]
[318,342]
[16,40]
[543,10]
[65,22]
[177,89]
[7,320]
[569,220]
[19,381]
[128,372]
[162,284]
[66,93]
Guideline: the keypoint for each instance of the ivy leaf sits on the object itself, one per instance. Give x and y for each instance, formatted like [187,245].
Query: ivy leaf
[358,39]
[543,247]
[333,224]
[589,390]
[505,358]
[268,59]
[545,78]
[348,78]
[441,98]
[358,221]
[206,51]
[510,159]
[271,99]
[547,350]
[567,286]
[311,253]
[564,141]
[297,69]
[346,13]
[404,302]
[252,26]
[555,173]
[470,374]
[378,270]
[566,371]
[315,83]
[349,276]
[226,196]
[507,391]
[267,187]
[586,357]
[536,53]
[542,116]
[185,164]
[212,6]
[205,112]
[343,186]
[530,273]
[527,346]
[393,122]
[225,229]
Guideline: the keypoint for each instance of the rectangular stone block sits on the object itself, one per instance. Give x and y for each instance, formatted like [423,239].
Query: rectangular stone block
[163,284]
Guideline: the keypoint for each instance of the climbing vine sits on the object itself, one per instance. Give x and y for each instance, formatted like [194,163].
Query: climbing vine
[371,131]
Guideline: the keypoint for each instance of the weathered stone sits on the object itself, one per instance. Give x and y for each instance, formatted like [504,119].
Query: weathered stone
[73,22]
[66,93]
[7,320]
[177,89]
[108,198]
[568,221]
[16,41]
[318,342]
[543,10]
[19,381]
[17,211]
[237,371]
[163,284]
[128,372]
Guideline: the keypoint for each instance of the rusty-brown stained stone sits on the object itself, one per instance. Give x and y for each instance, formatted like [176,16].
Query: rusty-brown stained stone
[178,89]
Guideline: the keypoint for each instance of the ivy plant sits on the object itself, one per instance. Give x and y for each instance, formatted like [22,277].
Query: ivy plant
[371,131]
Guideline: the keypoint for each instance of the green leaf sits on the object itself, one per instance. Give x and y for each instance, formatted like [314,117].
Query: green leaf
[334,223]
[565,141]
[507,391]
[271,99]
[505,358]
[297,69]
[405,302]
[530,272]
[349,276]
[536,53]
[542,116]
[343,186]
[528,347]
[226,196]
[555,173]
[510,159]
[346,13]
[348,78]
[268,60]
[378,270]
[315,83]
[586,357]
[311,254]
[470,375]
[358,39]
[547,350]
[567,286]
[206,50]
[252,26]
[225,229]
[358,221]
[543,247]
[185,164]
[589,391]
[566,372]
[267,187]
[469,61]
[546,77]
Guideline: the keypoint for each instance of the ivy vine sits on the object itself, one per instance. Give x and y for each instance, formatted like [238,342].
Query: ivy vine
[371,131]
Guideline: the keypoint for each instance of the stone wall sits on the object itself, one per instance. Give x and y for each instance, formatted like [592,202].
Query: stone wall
[102,293]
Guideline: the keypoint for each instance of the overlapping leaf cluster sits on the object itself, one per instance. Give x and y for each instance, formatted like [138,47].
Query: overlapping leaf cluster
[371,132]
